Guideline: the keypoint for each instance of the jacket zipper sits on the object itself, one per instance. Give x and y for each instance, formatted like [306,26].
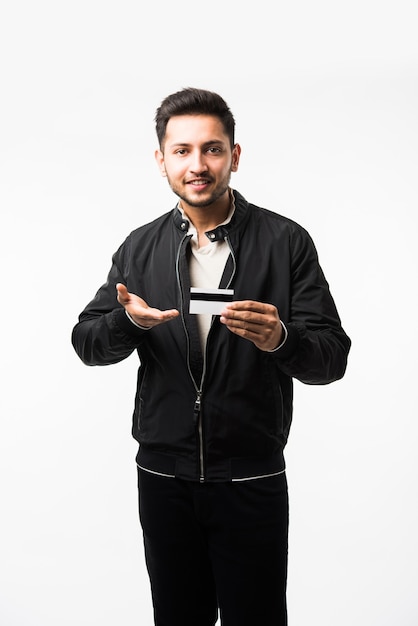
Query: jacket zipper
[198,412]
[198,423]
[197,417]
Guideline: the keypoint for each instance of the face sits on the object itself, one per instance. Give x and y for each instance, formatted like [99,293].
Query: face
[197,160]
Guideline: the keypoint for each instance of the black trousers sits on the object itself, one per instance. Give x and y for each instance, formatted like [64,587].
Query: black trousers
[216,545]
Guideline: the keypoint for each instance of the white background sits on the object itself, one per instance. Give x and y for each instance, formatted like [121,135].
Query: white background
[325,96]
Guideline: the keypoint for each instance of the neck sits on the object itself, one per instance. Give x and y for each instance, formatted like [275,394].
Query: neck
[207,217]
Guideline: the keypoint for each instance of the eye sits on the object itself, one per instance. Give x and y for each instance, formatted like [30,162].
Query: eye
[214,150]
[181,151]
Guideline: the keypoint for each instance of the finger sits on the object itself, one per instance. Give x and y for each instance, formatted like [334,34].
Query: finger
[170,314]
[160,317]
[123,294]
[248,311]
[241,306]
[244,319]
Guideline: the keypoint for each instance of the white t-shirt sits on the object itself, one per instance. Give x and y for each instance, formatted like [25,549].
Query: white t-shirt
[207,265]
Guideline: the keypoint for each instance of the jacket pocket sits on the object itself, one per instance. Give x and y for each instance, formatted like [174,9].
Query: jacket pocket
[138,421]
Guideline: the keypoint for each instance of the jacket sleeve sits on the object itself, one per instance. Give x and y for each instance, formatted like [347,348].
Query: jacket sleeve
[104,334]
[317,347]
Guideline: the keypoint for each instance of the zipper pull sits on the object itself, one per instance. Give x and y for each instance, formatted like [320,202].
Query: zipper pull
[196,411]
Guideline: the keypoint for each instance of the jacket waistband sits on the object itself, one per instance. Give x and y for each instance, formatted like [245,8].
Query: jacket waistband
[221,471]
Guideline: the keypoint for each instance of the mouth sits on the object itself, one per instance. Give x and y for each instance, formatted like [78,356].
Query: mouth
[198,183]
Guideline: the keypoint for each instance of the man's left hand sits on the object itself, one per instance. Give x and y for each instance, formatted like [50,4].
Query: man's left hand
[256,321]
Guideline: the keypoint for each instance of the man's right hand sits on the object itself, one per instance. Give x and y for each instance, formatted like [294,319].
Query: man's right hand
[139,310]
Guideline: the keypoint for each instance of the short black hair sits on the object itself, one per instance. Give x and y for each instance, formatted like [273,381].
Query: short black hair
[192,101]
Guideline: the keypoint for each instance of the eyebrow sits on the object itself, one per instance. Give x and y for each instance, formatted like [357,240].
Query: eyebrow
[207,144]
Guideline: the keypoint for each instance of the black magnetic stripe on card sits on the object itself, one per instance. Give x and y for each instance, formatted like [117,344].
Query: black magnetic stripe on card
[211,297]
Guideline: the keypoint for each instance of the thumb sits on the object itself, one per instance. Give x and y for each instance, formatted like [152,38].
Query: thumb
[123,294]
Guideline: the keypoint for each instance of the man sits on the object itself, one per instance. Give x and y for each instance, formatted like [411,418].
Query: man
[214,397]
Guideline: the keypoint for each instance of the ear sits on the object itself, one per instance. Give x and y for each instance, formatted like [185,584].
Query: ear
[159,157]
[236,153]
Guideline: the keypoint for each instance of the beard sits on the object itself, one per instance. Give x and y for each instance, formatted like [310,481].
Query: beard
[203,199]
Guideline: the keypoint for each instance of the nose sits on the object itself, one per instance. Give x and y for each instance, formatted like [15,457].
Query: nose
[198,163]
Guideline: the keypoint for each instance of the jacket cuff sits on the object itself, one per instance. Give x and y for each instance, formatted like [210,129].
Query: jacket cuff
[288,347]
[121,320]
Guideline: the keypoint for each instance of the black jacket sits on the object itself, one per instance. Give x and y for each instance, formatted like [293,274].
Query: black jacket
[226,415]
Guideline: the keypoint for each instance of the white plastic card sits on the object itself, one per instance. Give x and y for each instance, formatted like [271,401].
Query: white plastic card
[210,301]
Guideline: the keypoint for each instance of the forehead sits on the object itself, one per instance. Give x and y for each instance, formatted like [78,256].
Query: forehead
[194,129]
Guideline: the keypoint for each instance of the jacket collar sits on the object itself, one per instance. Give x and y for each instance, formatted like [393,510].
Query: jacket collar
[219,233]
